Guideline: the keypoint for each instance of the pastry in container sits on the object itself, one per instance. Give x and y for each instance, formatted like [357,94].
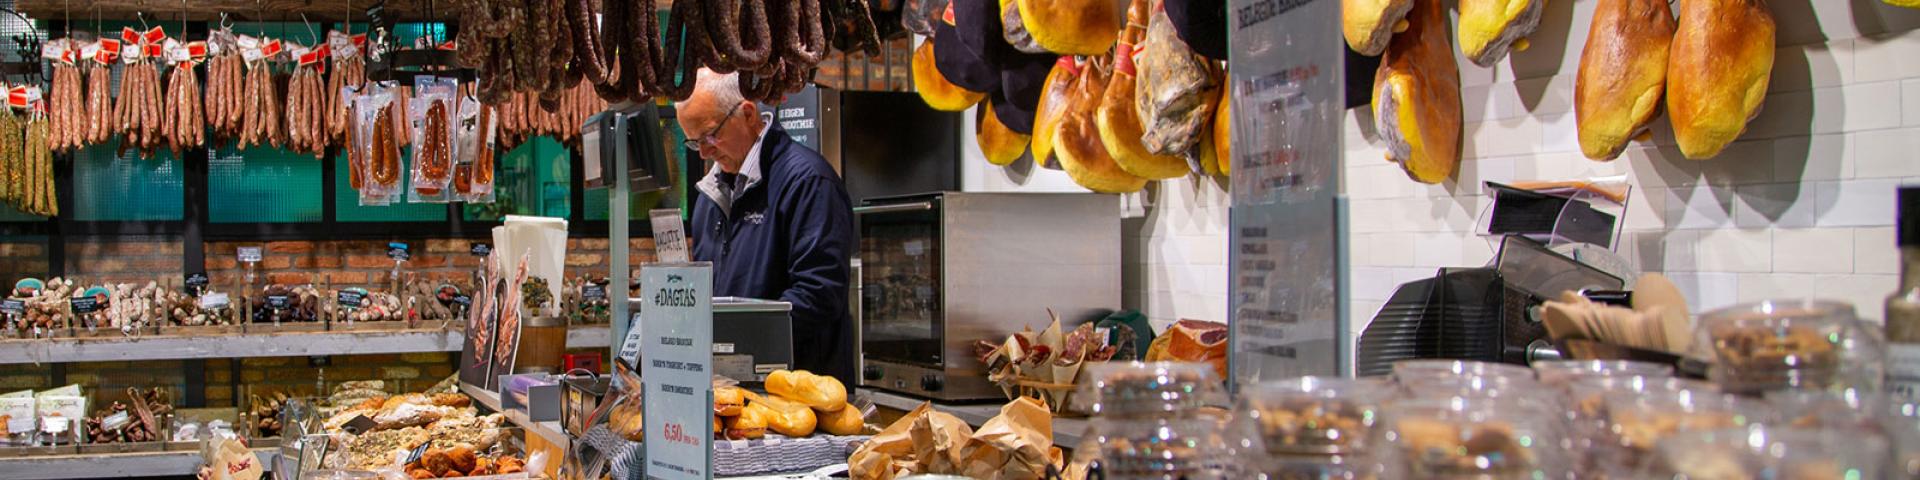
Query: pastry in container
[1165,449]
[1789,344]
[1470,438]
[1405,371]
[1120,390]
[1763,452]
[1560,373]
[1636,421]
[1311,427]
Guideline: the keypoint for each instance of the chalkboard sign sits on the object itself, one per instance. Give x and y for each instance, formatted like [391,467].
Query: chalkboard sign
[249,254]
[197,282]
[351,298]
[398,251]
[360,424]
[86,304]
[13,306]
[279,302]
[480,249]
[593,291]
[463,300]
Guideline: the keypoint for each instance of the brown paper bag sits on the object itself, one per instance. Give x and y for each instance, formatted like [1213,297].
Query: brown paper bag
[235,462]
[1017,445]
[938,440]
[877,458]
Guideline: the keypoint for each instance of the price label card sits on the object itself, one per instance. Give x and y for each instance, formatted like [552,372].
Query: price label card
[351,298]
[669,235]
[480,249]
[129,35]
[249,254]
[398,251]
[279,302]
[272,47]
[214,301]
[86,304]
[13,306]
[677,372]
[593,291]
[463,300]
[55,50]
[197,282]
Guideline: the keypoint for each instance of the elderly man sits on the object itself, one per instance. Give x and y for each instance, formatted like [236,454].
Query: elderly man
[774,219]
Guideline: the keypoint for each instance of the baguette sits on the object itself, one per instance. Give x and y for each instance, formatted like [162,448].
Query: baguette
[1623,73]
[1369,24]
[1416,97]
[1717,72]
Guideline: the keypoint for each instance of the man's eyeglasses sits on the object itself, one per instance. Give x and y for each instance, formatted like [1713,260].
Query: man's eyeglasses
[694,143]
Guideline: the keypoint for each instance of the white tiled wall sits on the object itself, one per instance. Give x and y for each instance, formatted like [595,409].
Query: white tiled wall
[1175,235]
[1802,205]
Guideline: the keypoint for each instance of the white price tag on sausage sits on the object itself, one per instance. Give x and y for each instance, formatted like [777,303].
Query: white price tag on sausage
[250,48]
[54,50]
[176,51]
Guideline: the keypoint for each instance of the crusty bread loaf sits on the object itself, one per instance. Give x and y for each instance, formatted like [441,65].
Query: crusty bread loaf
[999,144]
[934,88]
[1078,144]
[1368,24]
[1490,28]
[1071,27]
[1623,73]
[1717,72]
[1416,97]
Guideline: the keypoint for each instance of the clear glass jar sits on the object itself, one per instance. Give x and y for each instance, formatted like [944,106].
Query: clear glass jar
[1790,344]
[1558,373]
[1311,427]
[1124,390]
[1761,452]
[1469,438]
[1405,371]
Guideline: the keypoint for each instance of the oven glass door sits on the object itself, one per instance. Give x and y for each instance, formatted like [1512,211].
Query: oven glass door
[900,300]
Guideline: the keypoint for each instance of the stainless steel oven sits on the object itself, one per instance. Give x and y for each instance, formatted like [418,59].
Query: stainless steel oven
[940,271]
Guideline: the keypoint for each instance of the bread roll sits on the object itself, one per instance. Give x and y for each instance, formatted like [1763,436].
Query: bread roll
[1623,73]
[1416,97]
[750,424]
[727,401]
[1369,24]
[1717,72]
[1078,144]
[788,417]
[1118,122]
[1051,110]
[819,392]
[1000,145]
[847,421]
[934,88]
[1490,28]
[1071,27]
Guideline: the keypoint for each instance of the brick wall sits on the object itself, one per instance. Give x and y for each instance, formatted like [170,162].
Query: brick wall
[23,258]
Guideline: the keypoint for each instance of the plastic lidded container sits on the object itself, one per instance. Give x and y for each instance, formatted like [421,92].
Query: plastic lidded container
[1789,344]
[1636,421]
[1405,371]
[1470,438]
[1771,452]
[1559,373]
[1121,390]
[1311,427]
[1164,449]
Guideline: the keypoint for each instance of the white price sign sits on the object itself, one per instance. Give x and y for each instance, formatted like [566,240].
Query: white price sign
[677,373]
[669,235]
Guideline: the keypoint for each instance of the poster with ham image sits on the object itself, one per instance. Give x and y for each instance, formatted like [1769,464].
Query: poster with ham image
[507,335]
[476,353]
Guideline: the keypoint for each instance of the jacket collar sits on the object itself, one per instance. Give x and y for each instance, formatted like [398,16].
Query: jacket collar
[751,170]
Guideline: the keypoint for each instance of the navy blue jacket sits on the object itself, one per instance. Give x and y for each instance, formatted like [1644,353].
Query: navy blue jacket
[788,236]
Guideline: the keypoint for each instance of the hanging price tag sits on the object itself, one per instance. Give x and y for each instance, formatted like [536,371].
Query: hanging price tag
[249,254]
[129,36]
[55,50]
[131,52]
[360,40]
[13,306]
[197,51]
[153,50]
[398,251]
[272,48]
[17,97]
[154,35]
[341,45]
[176,52]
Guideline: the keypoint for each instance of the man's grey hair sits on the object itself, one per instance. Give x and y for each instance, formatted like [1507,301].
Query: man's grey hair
[725,88]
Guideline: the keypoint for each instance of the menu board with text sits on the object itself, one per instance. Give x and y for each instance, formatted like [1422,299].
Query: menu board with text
[676,369]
